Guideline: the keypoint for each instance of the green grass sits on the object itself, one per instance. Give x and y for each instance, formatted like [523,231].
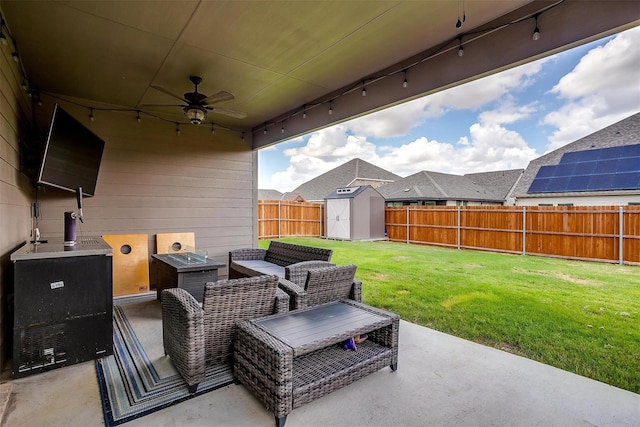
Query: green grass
[578,316]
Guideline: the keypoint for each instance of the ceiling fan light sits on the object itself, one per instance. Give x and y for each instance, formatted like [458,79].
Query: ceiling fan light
[195,114]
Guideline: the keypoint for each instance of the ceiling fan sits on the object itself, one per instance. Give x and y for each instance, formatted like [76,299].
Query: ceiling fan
[198,103]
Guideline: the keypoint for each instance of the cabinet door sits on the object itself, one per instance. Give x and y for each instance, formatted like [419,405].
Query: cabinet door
[55,289]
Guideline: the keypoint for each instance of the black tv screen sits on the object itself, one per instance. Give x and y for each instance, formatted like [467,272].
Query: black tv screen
[72,155]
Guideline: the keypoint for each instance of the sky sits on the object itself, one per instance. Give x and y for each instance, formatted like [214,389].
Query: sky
[499,122]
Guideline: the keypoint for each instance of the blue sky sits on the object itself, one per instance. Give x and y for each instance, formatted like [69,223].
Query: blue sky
[498,122]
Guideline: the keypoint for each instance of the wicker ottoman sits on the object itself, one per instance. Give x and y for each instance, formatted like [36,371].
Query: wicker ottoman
[287,364]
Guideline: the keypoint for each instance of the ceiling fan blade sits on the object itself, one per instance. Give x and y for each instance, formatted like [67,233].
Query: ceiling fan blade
[163,105]
[163,90]
[218,97]
[230,113]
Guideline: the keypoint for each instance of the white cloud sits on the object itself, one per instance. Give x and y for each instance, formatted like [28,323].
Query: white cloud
[399,120]
[602,89]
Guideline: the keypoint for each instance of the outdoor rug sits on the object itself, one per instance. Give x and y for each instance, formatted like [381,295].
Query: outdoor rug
[132,384]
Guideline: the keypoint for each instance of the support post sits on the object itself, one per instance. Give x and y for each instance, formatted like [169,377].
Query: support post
[524,230]
[621,235]
[459,229]
[408,228]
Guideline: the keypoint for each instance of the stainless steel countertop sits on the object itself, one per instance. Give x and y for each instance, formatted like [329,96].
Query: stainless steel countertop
[54,248]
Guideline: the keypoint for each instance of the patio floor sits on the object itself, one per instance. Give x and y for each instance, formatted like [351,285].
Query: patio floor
[441,381]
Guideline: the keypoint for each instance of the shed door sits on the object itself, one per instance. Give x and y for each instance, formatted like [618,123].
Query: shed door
[338,219]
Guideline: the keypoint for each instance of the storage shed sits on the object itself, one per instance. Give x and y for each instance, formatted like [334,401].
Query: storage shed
[354,213]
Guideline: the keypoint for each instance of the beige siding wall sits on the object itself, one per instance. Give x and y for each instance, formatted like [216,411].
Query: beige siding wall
[152,181]
[15,188]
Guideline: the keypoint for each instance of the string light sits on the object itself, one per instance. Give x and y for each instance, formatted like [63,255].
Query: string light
[138,116]
[405,83]
[330,107]
[25,84]
[304,111]
[460,48]
[265,129]
[282,129]
[242,138]
[536,31]
[15,55]
[213,129]
[91,117]
[178,128]
[364,89]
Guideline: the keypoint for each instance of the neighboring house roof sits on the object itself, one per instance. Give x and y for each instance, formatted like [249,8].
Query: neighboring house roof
[344,175]
[624,132]
[427,185]
[269,195]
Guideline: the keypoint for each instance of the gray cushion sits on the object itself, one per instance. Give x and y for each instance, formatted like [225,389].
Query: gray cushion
[257,267]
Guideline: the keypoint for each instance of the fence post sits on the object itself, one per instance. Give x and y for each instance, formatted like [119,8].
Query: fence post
[621,235]
[524,230]
[408,228]
[320,220]
[279,216]
[458,236]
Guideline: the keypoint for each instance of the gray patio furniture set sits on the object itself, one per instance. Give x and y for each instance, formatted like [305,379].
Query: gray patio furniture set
[261,324]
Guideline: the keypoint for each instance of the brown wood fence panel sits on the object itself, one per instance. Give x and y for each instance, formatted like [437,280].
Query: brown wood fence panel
[575,232]
[278,218]
[494,228]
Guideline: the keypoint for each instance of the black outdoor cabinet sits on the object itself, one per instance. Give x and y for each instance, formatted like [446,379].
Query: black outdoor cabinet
[62,305]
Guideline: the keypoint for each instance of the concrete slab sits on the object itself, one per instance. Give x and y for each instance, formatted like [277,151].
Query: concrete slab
[441,381]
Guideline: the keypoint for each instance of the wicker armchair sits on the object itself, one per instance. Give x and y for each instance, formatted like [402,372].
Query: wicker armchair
[315,283]
[196,337]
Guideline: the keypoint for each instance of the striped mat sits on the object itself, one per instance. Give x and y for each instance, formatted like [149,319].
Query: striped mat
[131,386]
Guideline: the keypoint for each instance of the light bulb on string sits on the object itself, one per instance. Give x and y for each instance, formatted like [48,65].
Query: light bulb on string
[213,129]
[178,128]
[536,30]
[138,119]
[460,48]
[91,116]
[364,89]
[405,82]
[330,108]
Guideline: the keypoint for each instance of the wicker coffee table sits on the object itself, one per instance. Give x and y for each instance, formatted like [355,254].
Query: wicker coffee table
[290,359]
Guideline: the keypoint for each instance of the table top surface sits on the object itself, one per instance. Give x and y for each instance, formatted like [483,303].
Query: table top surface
[54,248]
[303,327]
[188,263]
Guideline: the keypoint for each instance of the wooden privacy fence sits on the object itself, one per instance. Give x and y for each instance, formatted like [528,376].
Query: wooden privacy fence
[277,218]
[594,233]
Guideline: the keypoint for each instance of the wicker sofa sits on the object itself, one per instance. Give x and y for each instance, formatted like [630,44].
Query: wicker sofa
[256,261]
[196,337]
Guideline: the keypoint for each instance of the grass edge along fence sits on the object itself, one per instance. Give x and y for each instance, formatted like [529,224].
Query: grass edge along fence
[590,233]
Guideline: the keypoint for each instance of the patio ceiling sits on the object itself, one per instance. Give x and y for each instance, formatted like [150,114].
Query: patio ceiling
[277,56]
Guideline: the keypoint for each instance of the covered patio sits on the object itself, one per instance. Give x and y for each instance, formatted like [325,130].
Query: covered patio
[441,381]
[291,68]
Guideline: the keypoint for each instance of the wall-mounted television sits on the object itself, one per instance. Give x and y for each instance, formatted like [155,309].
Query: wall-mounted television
[72,155]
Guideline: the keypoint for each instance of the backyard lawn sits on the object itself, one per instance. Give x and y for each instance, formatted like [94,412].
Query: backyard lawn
[582,317]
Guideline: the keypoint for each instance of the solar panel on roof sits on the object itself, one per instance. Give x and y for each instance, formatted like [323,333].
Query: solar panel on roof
[545,171]
[614,168]
[629,164]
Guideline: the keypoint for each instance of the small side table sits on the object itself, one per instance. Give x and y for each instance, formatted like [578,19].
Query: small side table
[182,271]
